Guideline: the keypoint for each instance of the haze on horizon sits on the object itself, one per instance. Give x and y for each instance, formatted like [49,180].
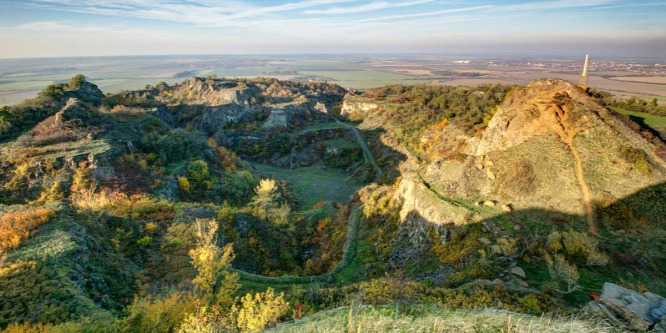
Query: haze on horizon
[605,28]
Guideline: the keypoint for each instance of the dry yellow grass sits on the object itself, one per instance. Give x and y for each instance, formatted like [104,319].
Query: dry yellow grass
[432,319]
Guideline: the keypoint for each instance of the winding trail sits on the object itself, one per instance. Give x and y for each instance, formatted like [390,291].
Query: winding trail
[583,186]
[567,134]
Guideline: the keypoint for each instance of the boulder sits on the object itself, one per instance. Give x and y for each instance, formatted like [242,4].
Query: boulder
[517,271]
[640,310]
[483,240]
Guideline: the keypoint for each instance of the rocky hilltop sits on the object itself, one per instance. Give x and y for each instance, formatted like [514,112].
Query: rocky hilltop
[524,198]
[549,145]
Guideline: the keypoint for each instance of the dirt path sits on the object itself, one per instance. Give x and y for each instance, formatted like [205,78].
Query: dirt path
[584,189]
[567,135]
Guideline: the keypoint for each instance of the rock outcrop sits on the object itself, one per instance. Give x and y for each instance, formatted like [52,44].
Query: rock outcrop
[639,311]
[350,107]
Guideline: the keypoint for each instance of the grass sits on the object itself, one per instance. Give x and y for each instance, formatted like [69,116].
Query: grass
[648,119]
[362,79]
[314,183]
[421,318]
[319,127]
[342,143]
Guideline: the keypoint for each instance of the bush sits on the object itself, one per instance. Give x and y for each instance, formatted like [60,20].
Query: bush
[159,314]
[638,159]
[15,227]
[578,247]
[259,312]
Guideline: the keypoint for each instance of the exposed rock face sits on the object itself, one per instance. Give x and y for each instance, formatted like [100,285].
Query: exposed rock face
[280,117]
[351,107]
[549,145]
[87,92]
[200,91]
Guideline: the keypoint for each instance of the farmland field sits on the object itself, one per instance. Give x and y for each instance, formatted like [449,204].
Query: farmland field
[362,79]
[24,78]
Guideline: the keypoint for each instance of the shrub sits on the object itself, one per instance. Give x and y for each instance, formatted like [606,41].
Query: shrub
[638,159]
[15,227]
[562,272]
[159,314]
[256,313]
[578,247]
[144,241]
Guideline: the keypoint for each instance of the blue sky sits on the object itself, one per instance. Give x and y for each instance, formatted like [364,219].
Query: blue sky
[47,28]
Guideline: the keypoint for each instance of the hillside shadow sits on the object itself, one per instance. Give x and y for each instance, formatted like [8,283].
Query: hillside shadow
[644,126]
[631,231]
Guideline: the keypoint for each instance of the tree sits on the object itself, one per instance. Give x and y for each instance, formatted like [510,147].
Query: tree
[562,272]
[76,81]
[212,263]
[267,203]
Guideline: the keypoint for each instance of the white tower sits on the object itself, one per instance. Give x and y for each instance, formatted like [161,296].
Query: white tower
[582,81]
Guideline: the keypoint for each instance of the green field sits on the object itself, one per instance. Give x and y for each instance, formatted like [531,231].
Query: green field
[362,79]
[320,126]
[650,120]
[314,183]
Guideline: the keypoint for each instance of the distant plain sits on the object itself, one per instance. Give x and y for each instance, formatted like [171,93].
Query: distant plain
[24,78]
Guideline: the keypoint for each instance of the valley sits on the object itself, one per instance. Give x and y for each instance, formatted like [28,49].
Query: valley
[152,208]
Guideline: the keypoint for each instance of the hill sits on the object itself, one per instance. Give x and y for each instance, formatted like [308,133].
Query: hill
[159,209]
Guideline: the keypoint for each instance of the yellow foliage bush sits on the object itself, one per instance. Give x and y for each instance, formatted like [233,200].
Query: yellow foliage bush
[15,227]
[577,247]
[255,313]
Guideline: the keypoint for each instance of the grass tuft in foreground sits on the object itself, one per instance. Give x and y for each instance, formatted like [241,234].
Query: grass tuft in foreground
[434,319]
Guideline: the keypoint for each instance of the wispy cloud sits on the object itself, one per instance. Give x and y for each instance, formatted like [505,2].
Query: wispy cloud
[431,13]
[55,26]
[543,5]
[364,8]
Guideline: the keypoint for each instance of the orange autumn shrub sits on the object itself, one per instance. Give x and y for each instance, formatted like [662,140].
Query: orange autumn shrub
[15,227]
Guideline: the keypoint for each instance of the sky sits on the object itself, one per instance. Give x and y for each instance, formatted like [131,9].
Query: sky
[608,28]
